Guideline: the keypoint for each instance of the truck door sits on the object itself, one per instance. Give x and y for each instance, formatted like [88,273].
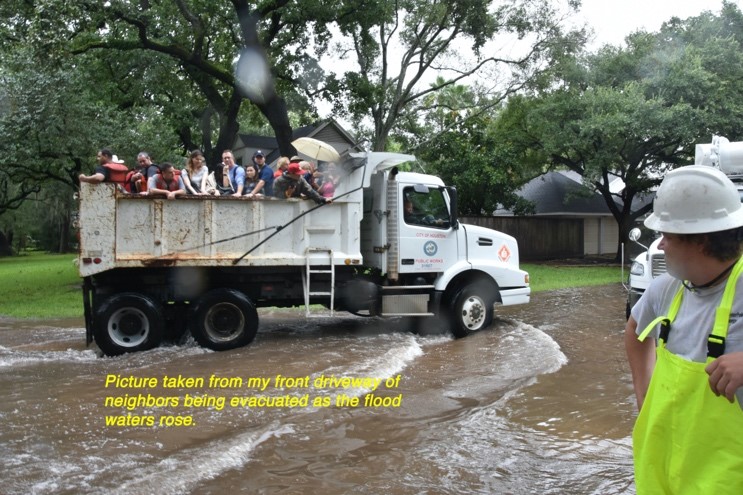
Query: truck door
[428,243]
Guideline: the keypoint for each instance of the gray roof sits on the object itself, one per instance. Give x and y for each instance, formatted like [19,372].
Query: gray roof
[328,131]
[558,193]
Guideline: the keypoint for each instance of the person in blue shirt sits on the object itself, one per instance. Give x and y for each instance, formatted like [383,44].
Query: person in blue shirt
[265,176]
[233,175]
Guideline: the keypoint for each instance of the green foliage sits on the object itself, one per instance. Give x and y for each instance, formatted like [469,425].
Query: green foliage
[472,159]
[469,153]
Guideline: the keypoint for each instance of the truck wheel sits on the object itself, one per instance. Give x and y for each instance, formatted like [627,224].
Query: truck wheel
[127,322]
[224,319]
[471,309]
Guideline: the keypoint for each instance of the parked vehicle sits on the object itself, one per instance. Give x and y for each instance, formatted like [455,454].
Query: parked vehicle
[651,263]
[155,268]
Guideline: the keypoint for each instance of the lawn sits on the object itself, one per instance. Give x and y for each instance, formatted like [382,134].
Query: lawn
[554,276]
[38,285]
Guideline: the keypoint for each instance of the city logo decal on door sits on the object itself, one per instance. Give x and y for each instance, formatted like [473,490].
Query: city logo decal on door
[430,248]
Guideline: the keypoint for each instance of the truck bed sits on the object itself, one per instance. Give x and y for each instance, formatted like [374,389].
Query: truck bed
[119,230]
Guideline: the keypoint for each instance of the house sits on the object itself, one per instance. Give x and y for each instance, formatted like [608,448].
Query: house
[328,131]
[579,219]
[570,219]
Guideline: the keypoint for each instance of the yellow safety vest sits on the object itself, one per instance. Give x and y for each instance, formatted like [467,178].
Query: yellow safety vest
[686,439]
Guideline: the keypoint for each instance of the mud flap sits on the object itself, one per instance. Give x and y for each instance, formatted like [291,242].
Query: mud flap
[87,311]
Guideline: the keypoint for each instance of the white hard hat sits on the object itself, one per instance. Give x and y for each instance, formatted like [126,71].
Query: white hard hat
[696,199]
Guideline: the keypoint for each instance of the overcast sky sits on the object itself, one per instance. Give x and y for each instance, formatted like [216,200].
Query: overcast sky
[612,20]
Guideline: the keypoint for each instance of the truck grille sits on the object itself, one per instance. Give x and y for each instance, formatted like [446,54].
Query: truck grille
[658,265]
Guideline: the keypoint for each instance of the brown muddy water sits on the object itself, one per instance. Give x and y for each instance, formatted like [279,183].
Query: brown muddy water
[540,403]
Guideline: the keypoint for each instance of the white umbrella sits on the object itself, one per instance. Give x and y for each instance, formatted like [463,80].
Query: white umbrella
[316,149]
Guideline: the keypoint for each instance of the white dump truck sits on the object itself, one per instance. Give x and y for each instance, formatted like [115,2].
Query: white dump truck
[651,263]
[389,244]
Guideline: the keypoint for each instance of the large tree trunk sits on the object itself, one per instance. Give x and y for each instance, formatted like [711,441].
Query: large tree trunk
[64,235]
[5,248]
[271,105]
[275,112]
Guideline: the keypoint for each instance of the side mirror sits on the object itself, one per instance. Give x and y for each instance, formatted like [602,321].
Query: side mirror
[634,236]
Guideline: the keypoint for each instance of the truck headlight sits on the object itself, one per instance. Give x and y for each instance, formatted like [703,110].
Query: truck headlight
[637,269]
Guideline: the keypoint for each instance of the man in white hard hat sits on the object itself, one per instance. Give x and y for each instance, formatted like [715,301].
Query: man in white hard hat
[684,341]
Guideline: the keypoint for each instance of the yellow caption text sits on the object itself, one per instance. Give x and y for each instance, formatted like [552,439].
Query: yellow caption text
[167,401]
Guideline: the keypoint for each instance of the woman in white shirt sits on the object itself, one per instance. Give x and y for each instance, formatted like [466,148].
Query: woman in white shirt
[195,174]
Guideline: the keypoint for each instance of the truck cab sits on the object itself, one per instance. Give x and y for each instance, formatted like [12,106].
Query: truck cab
[412,237]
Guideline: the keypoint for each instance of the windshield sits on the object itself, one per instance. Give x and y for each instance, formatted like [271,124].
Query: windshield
[425,208]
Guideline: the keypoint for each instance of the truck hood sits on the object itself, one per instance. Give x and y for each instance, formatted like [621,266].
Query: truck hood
[484,243]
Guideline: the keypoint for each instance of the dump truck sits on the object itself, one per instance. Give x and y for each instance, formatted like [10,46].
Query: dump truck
[651,263]
[389,245]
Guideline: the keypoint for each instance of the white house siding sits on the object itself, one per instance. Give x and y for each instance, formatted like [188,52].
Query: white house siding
[600,236]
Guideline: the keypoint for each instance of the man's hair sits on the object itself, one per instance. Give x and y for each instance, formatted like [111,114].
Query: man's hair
[107,153]
[724,245]
[166,166]
[143,154]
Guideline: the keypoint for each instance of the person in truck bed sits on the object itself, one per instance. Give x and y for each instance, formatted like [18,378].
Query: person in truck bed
[251,181]
[167,183]
[293,185]
[195,175]
[264,177]
[107,170]
[136,180]
[233,176]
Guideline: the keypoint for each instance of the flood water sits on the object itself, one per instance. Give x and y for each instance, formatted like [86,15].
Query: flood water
[540,403]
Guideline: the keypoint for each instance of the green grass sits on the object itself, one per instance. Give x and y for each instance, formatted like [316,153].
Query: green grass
[40,285]
[550,277]
[48,285]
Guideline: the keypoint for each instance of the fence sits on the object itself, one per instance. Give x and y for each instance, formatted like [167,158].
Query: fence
[539,238]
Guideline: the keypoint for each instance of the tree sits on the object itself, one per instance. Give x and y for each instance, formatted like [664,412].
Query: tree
[606,133]
[192,45]
[56,115]
[637,111]
[468,151]
[432,35]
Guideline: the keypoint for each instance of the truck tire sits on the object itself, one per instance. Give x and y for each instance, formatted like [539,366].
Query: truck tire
[224,319]
[127,322]
[471,309]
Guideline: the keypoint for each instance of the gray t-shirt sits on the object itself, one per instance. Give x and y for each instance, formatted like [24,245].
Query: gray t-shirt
[693,323]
